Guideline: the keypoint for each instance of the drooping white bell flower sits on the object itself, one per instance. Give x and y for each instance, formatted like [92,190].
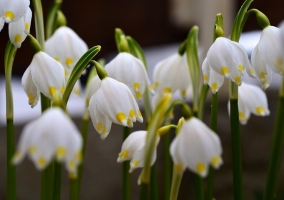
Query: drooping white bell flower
[172,74]
[66,47]
[113,102]
[196,146]
[210,77]
[131,71]
[133,149]
[262,70]
[46,74]
[229,58]
[51,135]
[30,88]
[271,48]
[13,10]
[251,100]
[92,88]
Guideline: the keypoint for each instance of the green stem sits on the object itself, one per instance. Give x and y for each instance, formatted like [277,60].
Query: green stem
[202,99]
[144,189]
[277,149]
[213,124]
[168,165]
[175,184]
[39,25]
[10,53]
[236,149]
[73,189]
[57,180]
[47,182]
[154,183]
[198,187]
[126,195]
[51,18]
[84,132]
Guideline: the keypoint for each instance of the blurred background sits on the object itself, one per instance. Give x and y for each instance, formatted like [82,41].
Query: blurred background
[159,26]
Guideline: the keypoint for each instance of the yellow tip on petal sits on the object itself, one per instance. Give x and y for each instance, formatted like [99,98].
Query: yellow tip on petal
[262,75]
[62,89]
[136,86]
[52,90]
[9,15]
[72,165]
[214,86]
[156,84]
[139,113]
[225,71]
[57,59]
[123,154]
[132,113]
[215,161]
[138,95]
[78,156]
[41,162]
[121,118]
[259,110]
[252,71]
[242,115]
[69,61]
[136,163]
[17,157]
[27,26]
[167,90]
[32,150]
[178,168]
[129,123]
[205,79]
[61,152]
[200,168]
[279,64]
[241,68]
[99,127]
[18,38]
[183,93]
[238,80]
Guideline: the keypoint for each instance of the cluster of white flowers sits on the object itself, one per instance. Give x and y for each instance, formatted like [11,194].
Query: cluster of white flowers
[18,15]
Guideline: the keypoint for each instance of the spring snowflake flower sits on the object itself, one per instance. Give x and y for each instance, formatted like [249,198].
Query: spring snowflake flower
[51,135]
[113,102]
[133,149]
[229,59]
[172,74]
[251,100]
[44,75]
[92,88]
[66,47]
[13,10]
[196,146]
[131,71]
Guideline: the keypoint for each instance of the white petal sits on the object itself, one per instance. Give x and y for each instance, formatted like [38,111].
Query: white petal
[16,32]
[77,88]
[27,20]
[205,71]
[30,88]
[13,10]
[2,22]
[215,81]
[47,74]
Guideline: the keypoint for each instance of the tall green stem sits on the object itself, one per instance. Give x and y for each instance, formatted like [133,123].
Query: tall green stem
[154,183]
[125,172]
[213,124]
[39,25]
[277,149]
[51,18]
[10,53]
[47,182]
[168,164]
[57,180]
[175,184]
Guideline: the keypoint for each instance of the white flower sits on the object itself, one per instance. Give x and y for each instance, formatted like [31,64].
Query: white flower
[131,71]
[210,77]
[270,48]
[46,74]
[196,146]
[13,10]
[92,88]
[133,149]
[18,30]
[66,47]
[51,135]
[113,102]
[251,100]
[229,58]
[172,74]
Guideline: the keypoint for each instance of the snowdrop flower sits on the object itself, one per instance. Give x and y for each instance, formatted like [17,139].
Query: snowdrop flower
[270,48]
[251,100]
[133,149]
[196,146]
[172,74]
[66,47]
[210,77]
[131,71]
[13,10]
[229,59]
[44,75]
[51,135]
[113,102]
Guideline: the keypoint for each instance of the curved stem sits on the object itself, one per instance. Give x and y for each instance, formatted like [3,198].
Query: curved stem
[51,18]
[10,53]
[175,183]
[39,24]
[202,99]
[277,149]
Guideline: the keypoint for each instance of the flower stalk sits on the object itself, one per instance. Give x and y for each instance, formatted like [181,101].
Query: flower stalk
[51,18]
[126,193]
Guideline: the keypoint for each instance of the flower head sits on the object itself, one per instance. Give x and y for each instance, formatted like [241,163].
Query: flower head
[172,74]
[13,10]
[113,102]
[196,146]
[251,100]
[133,149]
[131,71]
[229,59]
[44,74]
[51,135]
